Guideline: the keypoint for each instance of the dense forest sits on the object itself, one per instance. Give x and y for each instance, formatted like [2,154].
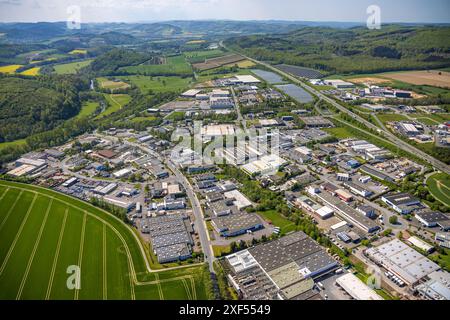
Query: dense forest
[30,106]
[109,62]
[354,50]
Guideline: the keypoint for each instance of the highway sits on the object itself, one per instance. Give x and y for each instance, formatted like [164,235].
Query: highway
[394,139]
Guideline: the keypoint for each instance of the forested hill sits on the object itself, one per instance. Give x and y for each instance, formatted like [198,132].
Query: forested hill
[30,106]
[355,50]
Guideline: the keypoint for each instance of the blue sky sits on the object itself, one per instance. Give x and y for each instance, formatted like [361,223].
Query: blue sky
[157,10]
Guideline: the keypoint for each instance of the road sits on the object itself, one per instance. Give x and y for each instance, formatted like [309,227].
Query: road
[196,207]
[238,110]
[394,139]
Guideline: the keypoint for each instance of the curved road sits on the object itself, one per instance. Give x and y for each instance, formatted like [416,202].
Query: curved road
[403,145]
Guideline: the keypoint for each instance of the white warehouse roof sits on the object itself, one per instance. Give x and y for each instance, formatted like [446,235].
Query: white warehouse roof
[356,288]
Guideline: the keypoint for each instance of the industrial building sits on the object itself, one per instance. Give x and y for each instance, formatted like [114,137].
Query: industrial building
[433,219]
[357,289]
[237,224]
[403,203]
[170,237]
[403,261]
[348,213]
[282,269]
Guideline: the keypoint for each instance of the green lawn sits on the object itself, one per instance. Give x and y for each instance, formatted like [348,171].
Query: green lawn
[158,84]
[12,143]
[201,55]
[431,119]
[71,68]
[43,233]
[340,132]
[277,220]
[391,117]
[439,186]
[115,103]
[176,65]
[87,109]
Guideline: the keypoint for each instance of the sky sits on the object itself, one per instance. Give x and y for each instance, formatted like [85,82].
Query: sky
[408,11]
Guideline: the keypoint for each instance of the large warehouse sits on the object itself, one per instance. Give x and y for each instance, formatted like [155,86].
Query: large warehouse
[403,261]
[288,266]
[356,288]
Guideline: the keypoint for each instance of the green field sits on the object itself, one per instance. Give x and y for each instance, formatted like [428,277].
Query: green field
[340,132]
[439,186]
[87,109]
[115,103]
[71,68]
[201,55]
[277,220]
[176,65]
[12,143]
[158,84]
[391,117]
[43,233]
[431,119]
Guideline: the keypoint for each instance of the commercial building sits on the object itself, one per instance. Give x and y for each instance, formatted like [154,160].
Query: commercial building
[433,219]
[239,200]
[422,245]
[403,203]
[348,213]
[357,289]
[237,224]
[358,190]
[317,122]
[402,261]
[282,269]
[123,173]
[170,237]
[340,84]
[266,164]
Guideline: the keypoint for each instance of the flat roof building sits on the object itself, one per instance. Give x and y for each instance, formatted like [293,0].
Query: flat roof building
[357,289]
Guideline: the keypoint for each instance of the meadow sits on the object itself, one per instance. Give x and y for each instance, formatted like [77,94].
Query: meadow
[115,103]
[157,84]
[44,234]
[175,66]
[71,68]
[87,109]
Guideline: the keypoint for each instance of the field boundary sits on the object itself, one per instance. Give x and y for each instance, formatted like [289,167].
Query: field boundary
[132,275]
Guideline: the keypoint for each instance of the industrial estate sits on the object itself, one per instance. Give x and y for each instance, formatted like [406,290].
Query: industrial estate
[195,169]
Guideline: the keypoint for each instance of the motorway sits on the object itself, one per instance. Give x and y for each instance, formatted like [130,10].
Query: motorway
[394,139]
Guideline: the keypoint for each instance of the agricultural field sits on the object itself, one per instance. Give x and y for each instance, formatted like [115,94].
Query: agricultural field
[432,78]
[31,72]
[158,84]
[218,62]
[174,66]
[78,51]
[112,85]
[439,186]
[115,103]
[10,69]
[46,235]
[242,64]
[201,55]
[71,68]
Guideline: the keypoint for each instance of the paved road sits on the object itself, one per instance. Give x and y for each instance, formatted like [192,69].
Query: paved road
[394,139]
[238,110]
[196,207]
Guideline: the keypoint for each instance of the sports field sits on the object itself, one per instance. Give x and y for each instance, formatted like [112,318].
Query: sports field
[44,235]
[439,186]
